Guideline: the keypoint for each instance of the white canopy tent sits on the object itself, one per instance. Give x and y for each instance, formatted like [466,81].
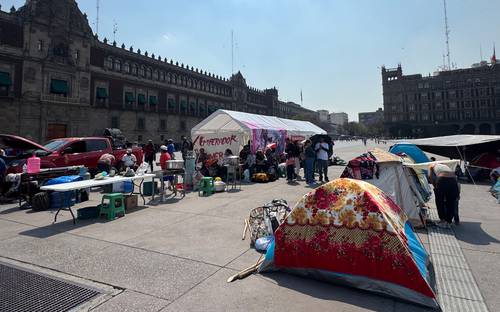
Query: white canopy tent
[226,121]
[230,129]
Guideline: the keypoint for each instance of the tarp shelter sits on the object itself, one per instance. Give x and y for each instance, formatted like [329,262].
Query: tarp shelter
[230,129]
[411,150]
[350,232]
[387,172]
[462,146]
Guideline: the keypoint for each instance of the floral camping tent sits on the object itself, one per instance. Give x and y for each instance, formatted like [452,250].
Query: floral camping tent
[350,232]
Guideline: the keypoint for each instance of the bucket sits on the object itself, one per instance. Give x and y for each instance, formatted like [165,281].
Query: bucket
[128,187]
[147,188]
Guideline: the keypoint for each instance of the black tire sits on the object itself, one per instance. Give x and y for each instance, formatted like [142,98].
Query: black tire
[40,201]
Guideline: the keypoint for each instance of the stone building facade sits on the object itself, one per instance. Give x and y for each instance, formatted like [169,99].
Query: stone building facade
[450,102]
[58,79]
[371,118]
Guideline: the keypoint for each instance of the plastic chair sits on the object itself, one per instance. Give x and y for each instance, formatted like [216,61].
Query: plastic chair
[115,205]
[206,186]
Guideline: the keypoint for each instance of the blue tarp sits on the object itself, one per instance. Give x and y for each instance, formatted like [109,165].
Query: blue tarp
[411,150]
[64,179]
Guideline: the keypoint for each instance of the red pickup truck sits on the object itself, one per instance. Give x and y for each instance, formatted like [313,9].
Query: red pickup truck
[61,152]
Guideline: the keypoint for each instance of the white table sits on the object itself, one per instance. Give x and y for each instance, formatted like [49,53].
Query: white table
[78,185]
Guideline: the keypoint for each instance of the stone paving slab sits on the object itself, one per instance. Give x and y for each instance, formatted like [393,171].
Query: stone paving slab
[456,291]
[131,301]
[49,249]
[275,292]
[199,238]
[148,272]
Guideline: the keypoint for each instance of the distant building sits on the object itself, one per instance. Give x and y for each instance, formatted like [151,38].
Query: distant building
[371,118]
[323,115]
[58,79]
[338,119]
[449,102]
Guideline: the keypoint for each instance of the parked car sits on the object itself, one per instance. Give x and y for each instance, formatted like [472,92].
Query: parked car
[480,167]
[61,152]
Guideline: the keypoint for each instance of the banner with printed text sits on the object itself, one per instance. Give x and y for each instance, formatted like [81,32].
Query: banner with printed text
[215,144]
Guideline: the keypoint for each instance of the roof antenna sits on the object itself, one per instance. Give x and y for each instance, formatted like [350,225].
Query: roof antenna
[97,18]
[447,34]
[480,53]
[232,52]
[115,29]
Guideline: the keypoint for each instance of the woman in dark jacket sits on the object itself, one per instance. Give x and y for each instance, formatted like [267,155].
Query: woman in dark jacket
[310,157]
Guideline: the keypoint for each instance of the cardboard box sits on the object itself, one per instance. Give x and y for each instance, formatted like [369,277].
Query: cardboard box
[131,202]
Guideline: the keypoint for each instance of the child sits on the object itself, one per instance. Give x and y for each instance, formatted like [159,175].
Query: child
[290,168]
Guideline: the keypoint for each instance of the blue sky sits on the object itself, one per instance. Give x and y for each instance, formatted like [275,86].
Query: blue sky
[332,50]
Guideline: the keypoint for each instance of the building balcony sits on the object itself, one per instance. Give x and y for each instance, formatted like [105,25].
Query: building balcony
[54,98]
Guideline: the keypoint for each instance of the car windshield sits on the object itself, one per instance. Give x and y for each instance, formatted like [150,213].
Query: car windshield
[54,145]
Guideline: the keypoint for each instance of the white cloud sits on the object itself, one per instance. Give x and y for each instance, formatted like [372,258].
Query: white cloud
[166,37]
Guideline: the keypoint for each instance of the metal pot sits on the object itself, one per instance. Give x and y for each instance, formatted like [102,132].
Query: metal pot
[233,160]
[175,164]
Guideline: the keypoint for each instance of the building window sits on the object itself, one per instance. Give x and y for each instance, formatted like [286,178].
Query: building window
[115,122]
[142,71]
[109,62]
[129,98]
[134,69]
[40,46]
[171,104]
[5,83]
[162,78]
[140,123]
[76,55]
[163,124]
[453,115]
[425,117]
[59,87]
[117,65]
[101,94]
[126,67]
[468,115]
[149,72]
[139,138]
[182,125]
[156,75]
[141,99]
[153,102]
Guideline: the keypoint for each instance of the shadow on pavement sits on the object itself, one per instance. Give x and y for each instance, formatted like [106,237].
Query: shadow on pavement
[326,291]
[473,233]
[67,225]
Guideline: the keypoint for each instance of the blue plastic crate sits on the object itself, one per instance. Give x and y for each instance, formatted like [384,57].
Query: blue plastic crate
[62,199]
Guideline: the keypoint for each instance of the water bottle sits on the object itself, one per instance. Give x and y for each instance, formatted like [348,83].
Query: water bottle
[33,164]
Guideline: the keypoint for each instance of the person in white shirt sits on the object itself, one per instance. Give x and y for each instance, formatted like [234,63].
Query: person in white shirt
[321,149]
[129,160]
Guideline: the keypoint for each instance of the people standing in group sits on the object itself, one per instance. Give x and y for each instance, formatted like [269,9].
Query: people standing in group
[292,149]
[290,168]
[171,148]
[164,157]
[446,192]
[310,158]
[321,148]
[149,154]
[186,147]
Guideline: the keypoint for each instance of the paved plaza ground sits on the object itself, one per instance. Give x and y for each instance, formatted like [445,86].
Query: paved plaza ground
[177,256]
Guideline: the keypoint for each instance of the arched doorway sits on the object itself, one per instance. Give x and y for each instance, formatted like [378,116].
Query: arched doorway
[497,128]
[484,128]
[469,129]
